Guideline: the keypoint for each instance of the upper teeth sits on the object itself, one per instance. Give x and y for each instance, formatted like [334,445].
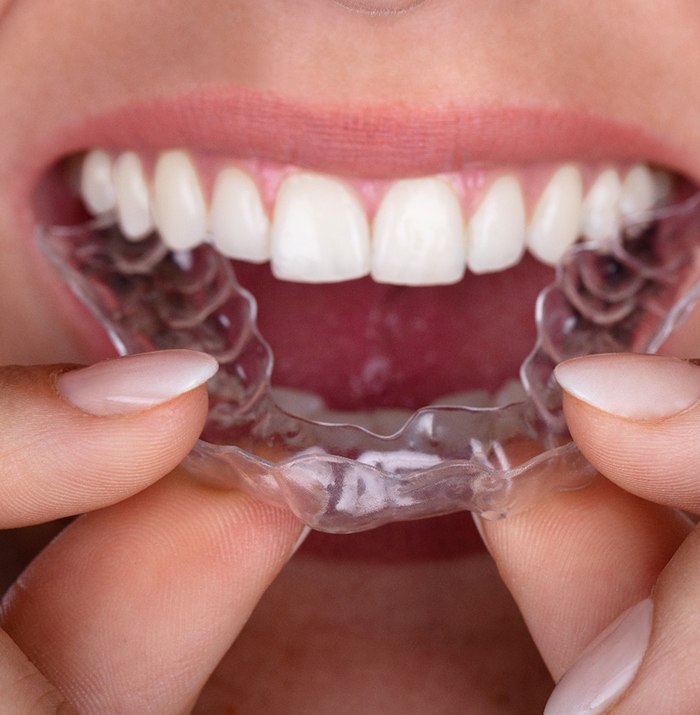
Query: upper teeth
[132,196]
[496,231]
[557,218]
[418,234]
[239,225]
[421,233]
[320,231]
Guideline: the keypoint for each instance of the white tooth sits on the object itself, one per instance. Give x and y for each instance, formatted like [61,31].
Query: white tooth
[96,186]
[600,219]
[557,218]
[133,205]
[178,202]
[319,232]
[239,225]
[511,391]
[417,234]
[638,191]
[298,402]
[466,398]
[496,232]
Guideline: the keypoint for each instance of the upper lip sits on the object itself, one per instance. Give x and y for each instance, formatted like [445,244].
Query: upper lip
[376,141]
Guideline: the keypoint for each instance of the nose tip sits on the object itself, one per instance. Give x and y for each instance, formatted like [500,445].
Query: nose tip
[380,7]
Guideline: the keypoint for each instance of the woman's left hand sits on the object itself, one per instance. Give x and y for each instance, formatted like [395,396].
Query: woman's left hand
[622,548]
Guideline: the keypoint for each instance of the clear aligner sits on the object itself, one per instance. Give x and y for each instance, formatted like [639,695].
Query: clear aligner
[624,295]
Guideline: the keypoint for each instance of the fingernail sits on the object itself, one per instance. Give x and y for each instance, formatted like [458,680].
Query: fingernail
[478,525]
[135,383]
[643,387]
[606,667]
[480,530]
[302,538]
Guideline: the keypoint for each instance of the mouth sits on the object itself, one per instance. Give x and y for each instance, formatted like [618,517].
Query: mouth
[379,357]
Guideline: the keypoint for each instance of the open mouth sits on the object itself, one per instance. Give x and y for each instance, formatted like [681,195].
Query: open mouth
[379,357]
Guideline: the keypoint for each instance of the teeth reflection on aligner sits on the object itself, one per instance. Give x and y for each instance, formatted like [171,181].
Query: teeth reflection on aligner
[496,231]
[309,405]
[298,402]
[178,202]
[319,232]
[238,222]
[555,223]
[417,234]
[133,205]
[511,391]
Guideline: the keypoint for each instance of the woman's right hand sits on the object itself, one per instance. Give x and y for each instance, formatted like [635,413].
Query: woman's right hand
[132,606]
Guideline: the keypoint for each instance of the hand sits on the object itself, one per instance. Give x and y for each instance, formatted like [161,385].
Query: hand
[132,606]
[620,548]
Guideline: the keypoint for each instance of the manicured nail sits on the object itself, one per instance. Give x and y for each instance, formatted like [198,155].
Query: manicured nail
[135,383]
[606,667]
[641,387]
[302,538]
[480,529]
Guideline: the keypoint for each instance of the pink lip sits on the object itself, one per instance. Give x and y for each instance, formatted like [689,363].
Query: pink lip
[371,142]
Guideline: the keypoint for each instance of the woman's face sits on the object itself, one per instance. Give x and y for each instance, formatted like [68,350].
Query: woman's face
[474,90]
[500,82]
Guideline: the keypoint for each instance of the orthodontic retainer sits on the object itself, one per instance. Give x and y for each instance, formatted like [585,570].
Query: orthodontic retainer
[607,297]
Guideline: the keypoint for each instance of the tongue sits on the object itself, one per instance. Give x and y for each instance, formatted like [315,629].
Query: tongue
[362,345]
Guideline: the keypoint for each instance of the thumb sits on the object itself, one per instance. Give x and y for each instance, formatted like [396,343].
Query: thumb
[74,440]
[636,418]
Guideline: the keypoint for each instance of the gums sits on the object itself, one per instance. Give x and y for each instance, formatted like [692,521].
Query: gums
[624,295]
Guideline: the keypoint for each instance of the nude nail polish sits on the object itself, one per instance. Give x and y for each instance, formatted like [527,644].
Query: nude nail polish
[302,538]
[606,667]
[641,387]
[135,383]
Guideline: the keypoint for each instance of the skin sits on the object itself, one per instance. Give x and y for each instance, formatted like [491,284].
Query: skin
[83,627]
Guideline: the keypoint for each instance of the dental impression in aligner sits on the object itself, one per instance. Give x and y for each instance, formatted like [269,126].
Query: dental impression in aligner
[620,295]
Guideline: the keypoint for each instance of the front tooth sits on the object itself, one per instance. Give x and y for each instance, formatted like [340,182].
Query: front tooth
[496,231]
[600,218]
[133,206]
[179,206]
[319,232]
[557,218]
[238,222]
[638,192]
[96,185]
[417,235]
